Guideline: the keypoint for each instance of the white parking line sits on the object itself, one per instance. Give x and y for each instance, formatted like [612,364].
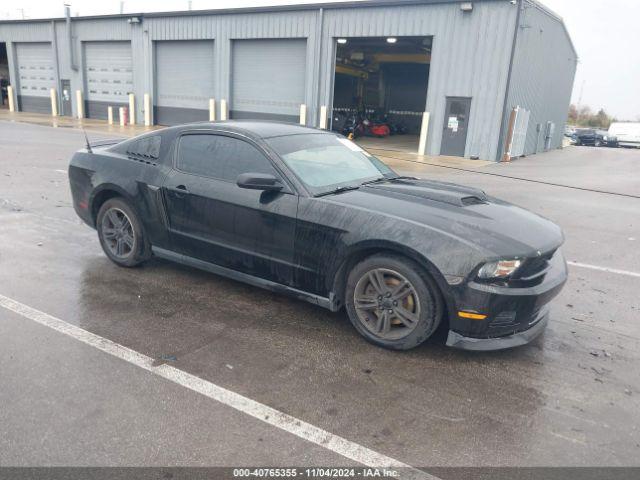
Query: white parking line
[262,412]
[605,269]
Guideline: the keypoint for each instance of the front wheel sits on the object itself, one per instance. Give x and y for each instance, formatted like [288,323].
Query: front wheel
[392,302]
[120,233]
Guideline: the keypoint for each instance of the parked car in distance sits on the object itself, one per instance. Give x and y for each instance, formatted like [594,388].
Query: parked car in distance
[594,138]
[627,133]
[569,131]
[309,213]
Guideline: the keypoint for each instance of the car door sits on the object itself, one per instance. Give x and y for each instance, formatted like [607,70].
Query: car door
[212,219]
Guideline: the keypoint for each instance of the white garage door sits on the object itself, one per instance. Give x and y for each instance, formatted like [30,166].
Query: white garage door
[268,79]
[108,71]
[36,76]
[185,80]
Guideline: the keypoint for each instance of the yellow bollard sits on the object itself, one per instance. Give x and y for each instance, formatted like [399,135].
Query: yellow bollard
[323,117]
[132,109]
[12,106]
[212,110]
[147,110]
[303,114]
[110,114]
[54,103]
[422,144]
[223,110]
[80,104]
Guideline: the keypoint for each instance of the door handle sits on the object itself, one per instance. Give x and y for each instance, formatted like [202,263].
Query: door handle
[180,191]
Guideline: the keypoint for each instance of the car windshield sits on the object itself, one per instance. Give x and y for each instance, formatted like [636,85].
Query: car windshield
[326,162]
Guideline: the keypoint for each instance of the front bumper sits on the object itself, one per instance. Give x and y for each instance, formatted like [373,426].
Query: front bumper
[456,340]
[514,316]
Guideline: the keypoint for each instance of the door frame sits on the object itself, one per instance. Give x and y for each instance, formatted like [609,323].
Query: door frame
[466,138]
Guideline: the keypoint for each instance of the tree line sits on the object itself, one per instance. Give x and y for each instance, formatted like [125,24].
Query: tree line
[583,116]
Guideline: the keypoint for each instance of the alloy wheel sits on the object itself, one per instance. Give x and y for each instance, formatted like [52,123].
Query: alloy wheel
[117,232]
[386,303]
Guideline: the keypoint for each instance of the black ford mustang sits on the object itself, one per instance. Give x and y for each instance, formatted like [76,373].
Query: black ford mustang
[309,213]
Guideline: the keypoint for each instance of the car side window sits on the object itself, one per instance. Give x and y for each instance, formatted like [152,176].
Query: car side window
[220,157]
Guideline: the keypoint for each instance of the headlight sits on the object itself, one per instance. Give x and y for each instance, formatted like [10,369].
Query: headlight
[499,269]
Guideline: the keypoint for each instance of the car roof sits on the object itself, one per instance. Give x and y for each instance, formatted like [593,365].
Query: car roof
[255,128]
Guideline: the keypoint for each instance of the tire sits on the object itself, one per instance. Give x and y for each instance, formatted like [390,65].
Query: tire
[382,311]
[125,244]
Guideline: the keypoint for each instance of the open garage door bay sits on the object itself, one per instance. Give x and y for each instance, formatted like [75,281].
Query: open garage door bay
[108,75]
[36,76]
[185,81]
[380,90]
[268,79]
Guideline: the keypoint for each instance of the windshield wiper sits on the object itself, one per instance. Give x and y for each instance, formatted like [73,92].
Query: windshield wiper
[388,179]
[403,177]
[339,190]
[377,180]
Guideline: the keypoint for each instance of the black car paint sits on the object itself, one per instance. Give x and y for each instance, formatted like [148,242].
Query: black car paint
[294,242]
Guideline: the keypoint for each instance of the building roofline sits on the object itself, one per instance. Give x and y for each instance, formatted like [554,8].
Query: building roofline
[544,9]
[287,8]
[261,9]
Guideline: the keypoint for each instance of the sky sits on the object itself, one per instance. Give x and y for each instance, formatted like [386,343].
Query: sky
[606,34]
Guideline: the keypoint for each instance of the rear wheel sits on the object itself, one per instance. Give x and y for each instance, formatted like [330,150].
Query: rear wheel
[392,302]
[120,233]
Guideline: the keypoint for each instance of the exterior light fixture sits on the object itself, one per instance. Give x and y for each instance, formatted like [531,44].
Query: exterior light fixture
[342,41]
[392,40]
[466,6]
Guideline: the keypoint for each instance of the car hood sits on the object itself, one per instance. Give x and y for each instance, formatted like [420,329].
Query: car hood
[494,226]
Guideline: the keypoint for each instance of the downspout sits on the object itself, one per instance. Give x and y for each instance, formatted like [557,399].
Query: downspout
[505,105]
[317,67]
[72,60]
[56,62]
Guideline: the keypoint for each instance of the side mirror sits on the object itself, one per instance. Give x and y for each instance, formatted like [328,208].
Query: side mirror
[259,181]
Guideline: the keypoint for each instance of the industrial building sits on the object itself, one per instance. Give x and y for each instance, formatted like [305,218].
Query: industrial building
[495,76]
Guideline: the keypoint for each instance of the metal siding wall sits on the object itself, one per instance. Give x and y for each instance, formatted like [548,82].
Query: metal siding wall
[63,50]
[543,73]
[470,57]
[37,31]
[470,54]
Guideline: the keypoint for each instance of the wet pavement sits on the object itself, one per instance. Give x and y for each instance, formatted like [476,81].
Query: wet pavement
[569,399]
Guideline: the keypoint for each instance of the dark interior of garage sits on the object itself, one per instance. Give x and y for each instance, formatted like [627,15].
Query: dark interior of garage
[380,88]
[4,75]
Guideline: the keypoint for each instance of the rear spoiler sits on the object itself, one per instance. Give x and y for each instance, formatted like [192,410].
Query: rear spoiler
[104,143]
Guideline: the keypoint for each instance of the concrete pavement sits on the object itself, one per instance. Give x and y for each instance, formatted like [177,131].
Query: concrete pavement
[569,399]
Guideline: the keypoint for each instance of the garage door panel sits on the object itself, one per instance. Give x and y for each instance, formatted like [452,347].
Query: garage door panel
[185,80]
[36,76]
[108,76]
[268,78]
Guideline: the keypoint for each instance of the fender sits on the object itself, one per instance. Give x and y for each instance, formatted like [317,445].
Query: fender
[109,189]
[363,249]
